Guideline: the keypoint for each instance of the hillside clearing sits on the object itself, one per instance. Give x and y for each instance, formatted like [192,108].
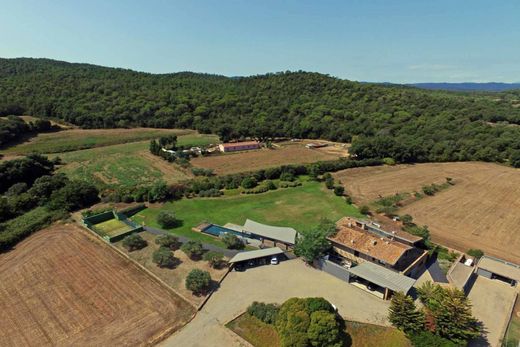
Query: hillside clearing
[63,287]
[479,211]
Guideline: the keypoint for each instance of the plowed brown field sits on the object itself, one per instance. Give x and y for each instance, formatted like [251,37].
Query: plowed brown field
[482,209]
[62,287]
[264,158]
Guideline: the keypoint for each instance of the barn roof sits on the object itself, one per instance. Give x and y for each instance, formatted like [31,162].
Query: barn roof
[383,277]
[284,234]
[266,252]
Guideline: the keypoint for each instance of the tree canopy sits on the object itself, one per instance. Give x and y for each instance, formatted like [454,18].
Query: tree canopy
[383,121]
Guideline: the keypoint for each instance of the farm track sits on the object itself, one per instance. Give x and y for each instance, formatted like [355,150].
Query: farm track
[62,287]
[480,211]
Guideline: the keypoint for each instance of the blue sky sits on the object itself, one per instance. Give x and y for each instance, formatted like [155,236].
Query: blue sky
[366,40]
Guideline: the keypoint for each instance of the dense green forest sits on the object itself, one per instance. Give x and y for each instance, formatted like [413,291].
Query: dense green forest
[405,123]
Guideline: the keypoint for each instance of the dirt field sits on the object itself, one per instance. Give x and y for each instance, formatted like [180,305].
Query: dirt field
[62,287]
[173,277]
[480,211]
[287,153]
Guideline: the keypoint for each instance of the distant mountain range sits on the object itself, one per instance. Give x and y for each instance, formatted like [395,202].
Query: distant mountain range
[468,86]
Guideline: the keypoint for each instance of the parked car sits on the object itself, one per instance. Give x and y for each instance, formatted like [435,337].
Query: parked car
[274,261]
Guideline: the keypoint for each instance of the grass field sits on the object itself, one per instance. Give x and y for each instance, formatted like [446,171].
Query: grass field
[301,208]
[127,165]
[76,139]
[260,334]
[512,336]
[63,287]
[112,227]
[479,211]
[254,331]
[288,153]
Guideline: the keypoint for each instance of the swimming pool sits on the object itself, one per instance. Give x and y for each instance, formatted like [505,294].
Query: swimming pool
[217,230]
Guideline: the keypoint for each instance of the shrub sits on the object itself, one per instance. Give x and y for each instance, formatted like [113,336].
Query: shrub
[163,257]
[249,182]
[427,339]
[215,259]
[270,185]
[364,209]
[267,313]
[287,176]
[167,220]
[168,241]
[348,200]
[232,241]
[477,253]
[329,182]
[198,281]
[134,242]
[210,193]
[339,190]
[389,161]
[429,190]
[193,249]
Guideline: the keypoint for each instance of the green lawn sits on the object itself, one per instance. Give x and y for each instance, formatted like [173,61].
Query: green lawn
[301,208]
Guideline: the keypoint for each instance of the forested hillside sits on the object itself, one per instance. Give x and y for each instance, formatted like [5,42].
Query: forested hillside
[404,123]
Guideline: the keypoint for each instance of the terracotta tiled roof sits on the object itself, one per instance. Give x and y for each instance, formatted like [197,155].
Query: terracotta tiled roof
[239,144]
[357,239]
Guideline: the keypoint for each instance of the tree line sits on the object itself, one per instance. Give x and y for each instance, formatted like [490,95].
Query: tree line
[404,123]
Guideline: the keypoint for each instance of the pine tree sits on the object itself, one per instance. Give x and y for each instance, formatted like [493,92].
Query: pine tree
[404,315]
[454,320]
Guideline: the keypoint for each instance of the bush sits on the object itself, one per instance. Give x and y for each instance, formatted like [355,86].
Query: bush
[232,241]
[477,253]
[319,304]
[329,182]
[248,183]
[290,184]
[339,190]
[210,193]
[215,259]
[427,339]
[287,176]
[163,257]
[167,220]
[198,281]
[193,249]
[389,161]
[364,209]
[267,313]
[134,242]
[270,185]
[168,241]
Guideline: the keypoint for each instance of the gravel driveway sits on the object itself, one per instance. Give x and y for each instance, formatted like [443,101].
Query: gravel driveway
[274,284]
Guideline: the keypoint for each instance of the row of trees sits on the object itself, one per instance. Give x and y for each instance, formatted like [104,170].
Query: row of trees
[403,123]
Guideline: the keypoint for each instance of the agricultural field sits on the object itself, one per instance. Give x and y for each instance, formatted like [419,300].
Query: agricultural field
[127,165]
[175,277]
[300,207]
[76,139]
[282,154]
[479,211]
[61,286]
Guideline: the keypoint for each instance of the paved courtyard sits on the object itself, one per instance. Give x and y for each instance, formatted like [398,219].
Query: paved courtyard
[492,302]
[269,283]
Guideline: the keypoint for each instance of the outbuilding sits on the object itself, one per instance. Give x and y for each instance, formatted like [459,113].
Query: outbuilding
[498,269]
[256,257]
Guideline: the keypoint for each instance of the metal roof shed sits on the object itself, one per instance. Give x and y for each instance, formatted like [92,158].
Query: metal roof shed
[283,234]
[244,256]
[383,277]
